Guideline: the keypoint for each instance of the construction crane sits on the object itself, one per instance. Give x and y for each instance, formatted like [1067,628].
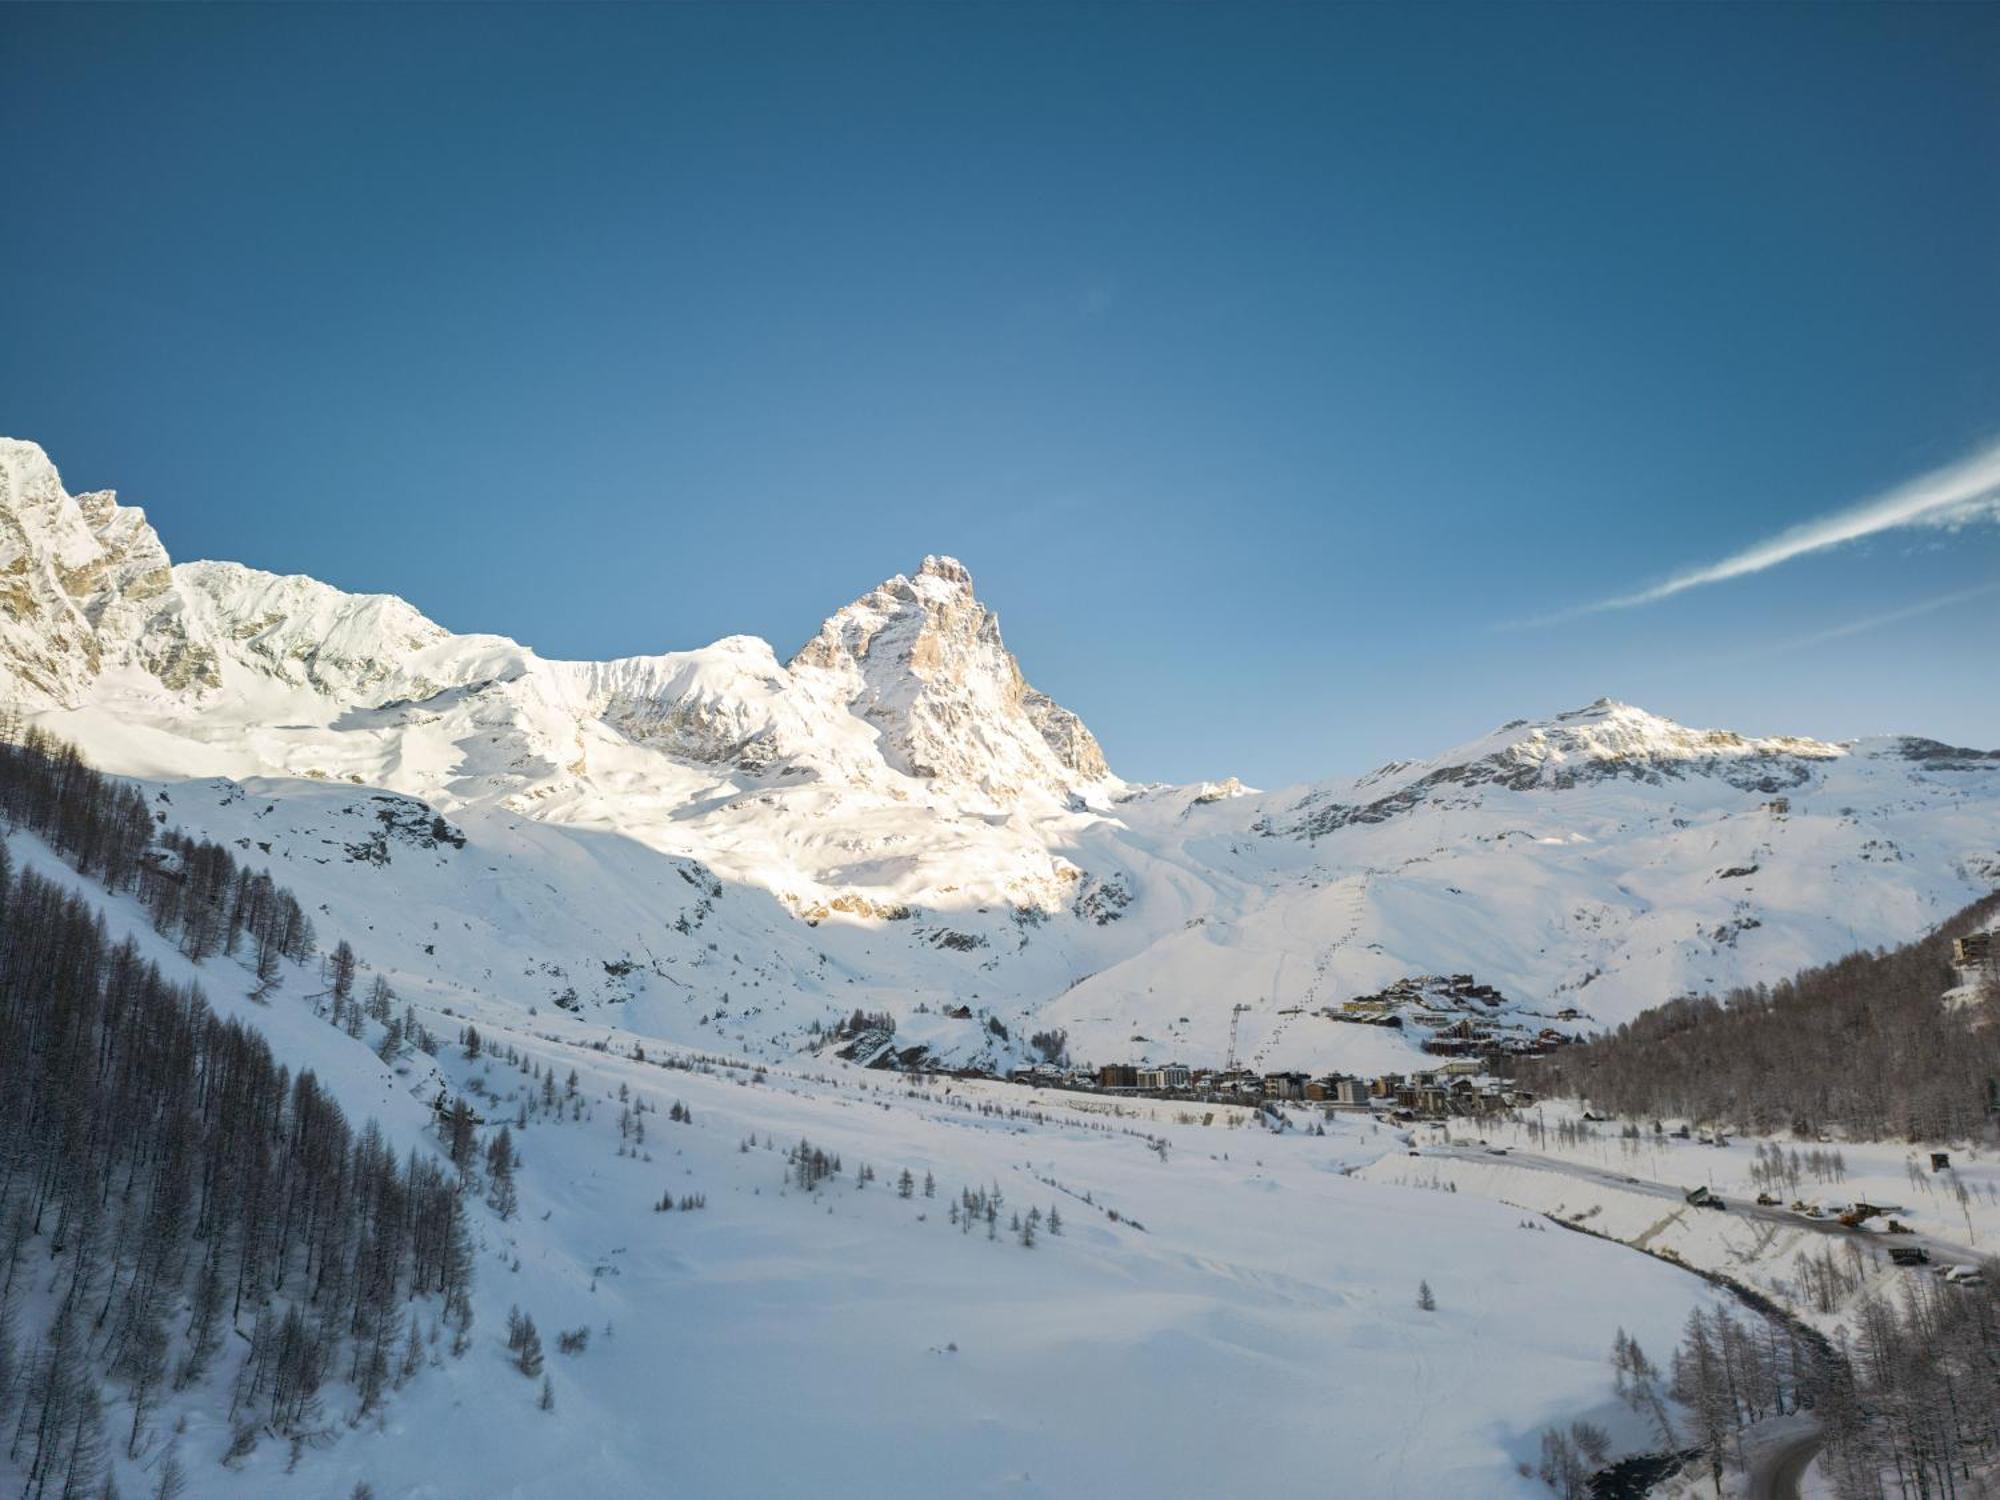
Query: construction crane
[1235,1020]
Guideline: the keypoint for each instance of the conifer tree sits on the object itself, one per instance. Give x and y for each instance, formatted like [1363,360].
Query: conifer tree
[528,1359]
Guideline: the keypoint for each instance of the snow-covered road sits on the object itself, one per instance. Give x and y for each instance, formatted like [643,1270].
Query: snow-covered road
[1942,1251]
[1778,1471]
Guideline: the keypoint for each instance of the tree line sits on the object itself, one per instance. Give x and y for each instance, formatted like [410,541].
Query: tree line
[1907,1399]
[1906,1396]
[194,891]
[165,1182]
[1915,1408]
[1865,1045]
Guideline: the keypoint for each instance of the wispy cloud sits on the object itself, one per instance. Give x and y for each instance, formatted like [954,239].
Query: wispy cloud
[1876,622]
[1956,495]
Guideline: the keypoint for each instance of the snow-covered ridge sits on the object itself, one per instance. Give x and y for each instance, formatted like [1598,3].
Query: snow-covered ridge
[919,661]
[1605,740]
[721,846]
[91,591]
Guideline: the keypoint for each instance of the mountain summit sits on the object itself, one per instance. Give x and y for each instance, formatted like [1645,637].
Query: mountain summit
[1602,741]
[921,658]
[87,586]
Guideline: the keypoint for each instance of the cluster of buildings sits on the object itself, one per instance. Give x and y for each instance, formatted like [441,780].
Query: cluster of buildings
[1449,992]
[1459,1017]
[1466,1038]
[1455,1089]
[1469,1027]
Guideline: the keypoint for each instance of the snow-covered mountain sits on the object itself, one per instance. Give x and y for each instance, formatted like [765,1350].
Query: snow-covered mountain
[717,846]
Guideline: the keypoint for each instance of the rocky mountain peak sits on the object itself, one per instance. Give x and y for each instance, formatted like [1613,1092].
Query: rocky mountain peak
[922,661]
[87,589]
[1602,741]
[1610,731]
[85,586]
[946,570]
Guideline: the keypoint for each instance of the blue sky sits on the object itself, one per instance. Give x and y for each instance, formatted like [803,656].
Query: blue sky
[1291,378]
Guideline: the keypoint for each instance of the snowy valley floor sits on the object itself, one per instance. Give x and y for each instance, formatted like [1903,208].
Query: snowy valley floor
[1249,1318]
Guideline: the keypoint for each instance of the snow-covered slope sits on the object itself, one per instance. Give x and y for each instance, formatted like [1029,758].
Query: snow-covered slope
[1202,1296]
[720,847]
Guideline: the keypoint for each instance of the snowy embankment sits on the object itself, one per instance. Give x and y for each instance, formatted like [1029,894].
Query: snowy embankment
[1758,1254]
[1955,1205]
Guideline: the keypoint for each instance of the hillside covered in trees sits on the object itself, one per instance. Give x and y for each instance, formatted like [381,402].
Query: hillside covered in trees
[1906,1395]
[165,1182]
[1868,1045]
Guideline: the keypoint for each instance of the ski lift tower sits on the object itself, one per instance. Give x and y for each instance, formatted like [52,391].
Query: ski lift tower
[1235,1020]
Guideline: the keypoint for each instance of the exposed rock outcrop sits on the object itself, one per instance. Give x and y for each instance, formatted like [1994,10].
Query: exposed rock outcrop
[921,660]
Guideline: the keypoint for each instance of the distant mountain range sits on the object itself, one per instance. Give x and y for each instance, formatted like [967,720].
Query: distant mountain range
[721,848]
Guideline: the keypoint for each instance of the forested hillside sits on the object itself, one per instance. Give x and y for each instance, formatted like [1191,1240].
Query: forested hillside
[195,891]
[1906,1397]
[1868,1045]
[166,1181]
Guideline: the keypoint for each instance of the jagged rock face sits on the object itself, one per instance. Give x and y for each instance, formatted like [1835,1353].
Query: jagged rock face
[1074,745]
[135,599]
[85,586]
[921,660]
[50,647]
